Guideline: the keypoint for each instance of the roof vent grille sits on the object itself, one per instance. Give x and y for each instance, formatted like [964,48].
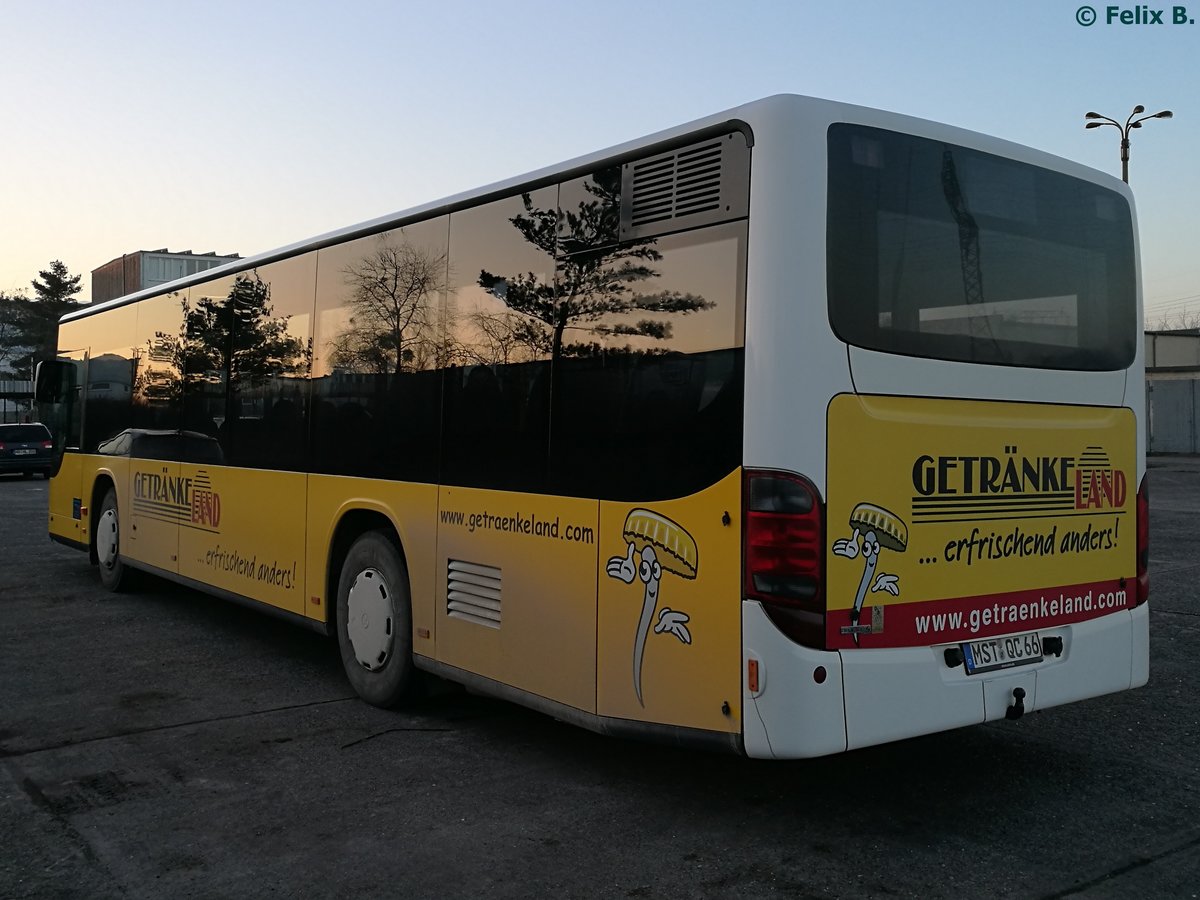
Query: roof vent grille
[695,185]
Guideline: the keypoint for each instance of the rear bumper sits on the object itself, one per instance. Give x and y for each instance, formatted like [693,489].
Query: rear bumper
[875,696]
[25,464]
[792,715]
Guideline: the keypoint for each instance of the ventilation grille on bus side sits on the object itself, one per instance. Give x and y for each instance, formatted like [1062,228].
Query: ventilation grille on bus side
[473,593]
[695,185]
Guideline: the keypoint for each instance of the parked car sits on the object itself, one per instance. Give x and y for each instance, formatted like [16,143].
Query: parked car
[148,443]
[26,449]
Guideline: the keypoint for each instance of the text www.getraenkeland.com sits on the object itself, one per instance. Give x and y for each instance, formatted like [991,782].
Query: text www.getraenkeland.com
[519,523]
[1040,613]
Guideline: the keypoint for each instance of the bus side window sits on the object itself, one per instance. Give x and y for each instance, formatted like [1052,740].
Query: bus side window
[111,372]
[652,407]
[496,404]
[377,352]
[159,351]
[266,412]
[207,350]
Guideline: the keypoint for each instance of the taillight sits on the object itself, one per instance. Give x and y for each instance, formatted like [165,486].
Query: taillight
[784,535]
[47,445]
[1,445]
[1143,541]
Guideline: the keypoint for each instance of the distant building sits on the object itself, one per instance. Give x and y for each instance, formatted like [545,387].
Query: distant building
[16,399]
[147,268]
[1173,354]
[1173,391]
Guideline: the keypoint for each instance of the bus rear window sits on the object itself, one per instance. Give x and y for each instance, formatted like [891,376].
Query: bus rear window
[938,251]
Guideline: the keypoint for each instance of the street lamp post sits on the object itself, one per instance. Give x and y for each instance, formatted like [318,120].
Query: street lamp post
[1129,125]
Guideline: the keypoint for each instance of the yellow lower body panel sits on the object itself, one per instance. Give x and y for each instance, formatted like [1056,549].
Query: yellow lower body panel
[624,611]
[669,626]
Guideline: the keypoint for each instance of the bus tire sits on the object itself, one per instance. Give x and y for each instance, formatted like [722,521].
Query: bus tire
[374,621]
[114,574]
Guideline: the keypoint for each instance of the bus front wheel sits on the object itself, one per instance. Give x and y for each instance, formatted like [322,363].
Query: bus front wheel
[374,621]
[114,574]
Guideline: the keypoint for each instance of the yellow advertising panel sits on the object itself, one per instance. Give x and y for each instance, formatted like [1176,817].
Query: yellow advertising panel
[669,633]
[950,520]
[242,530]
[516,590]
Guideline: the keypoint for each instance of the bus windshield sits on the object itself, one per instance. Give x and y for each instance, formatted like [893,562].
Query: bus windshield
[943,252]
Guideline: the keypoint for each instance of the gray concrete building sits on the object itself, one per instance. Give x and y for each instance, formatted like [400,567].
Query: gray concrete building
[147,268]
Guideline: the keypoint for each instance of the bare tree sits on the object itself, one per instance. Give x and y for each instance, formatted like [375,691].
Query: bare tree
[393,306]
[1182,320]
[506,338]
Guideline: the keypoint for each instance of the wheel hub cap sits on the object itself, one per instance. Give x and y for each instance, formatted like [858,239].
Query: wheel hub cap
[369,622]
[106,538]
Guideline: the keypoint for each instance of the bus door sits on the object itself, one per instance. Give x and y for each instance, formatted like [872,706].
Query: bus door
[245,528]
[157,500]
[244,433]
[60,408]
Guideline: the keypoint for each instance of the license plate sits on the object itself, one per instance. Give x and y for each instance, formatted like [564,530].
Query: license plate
[1002,653]
[24,452]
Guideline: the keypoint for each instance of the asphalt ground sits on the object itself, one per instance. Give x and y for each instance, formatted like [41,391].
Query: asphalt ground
[165,744]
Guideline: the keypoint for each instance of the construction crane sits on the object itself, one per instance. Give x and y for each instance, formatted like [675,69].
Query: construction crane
[968,232]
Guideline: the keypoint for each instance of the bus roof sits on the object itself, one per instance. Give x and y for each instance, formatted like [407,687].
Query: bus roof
[734,118]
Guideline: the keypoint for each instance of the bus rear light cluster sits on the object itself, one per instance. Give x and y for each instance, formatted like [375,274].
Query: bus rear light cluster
[784,541]
[1143,541]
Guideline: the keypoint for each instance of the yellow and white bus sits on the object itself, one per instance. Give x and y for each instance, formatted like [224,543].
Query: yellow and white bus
[796,429]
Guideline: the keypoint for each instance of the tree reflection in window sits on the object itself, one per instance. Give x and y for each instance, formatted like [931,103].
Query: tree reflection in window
[232,365]
[240,336]
[643,341]
[377,389]
[393,294]
[599,285]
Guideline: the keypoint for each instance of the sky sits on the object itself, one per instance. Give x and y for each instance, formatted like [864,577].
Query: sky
[250,125]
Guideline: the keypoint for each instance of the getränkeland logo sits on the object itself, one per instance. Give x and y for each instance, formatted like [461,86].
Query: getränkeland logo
[1010,486]
[190,502]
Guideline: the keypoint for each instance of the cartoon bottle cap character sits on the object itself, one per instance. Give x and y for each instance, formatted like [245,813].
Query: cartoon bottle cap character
[678,549]
[889,530]
[877,529]
[663,546]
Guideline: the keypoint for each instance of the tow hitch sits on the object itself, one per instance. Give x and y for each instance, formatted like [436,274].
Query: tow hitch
[1018,708]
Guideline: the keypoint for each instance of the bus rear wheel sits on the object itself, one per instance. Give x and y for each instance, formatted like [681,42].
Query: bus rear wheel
[374,621]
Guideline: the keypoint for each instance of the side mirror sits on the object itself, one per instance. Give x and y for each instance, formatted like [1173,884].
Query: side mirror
[49,379]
